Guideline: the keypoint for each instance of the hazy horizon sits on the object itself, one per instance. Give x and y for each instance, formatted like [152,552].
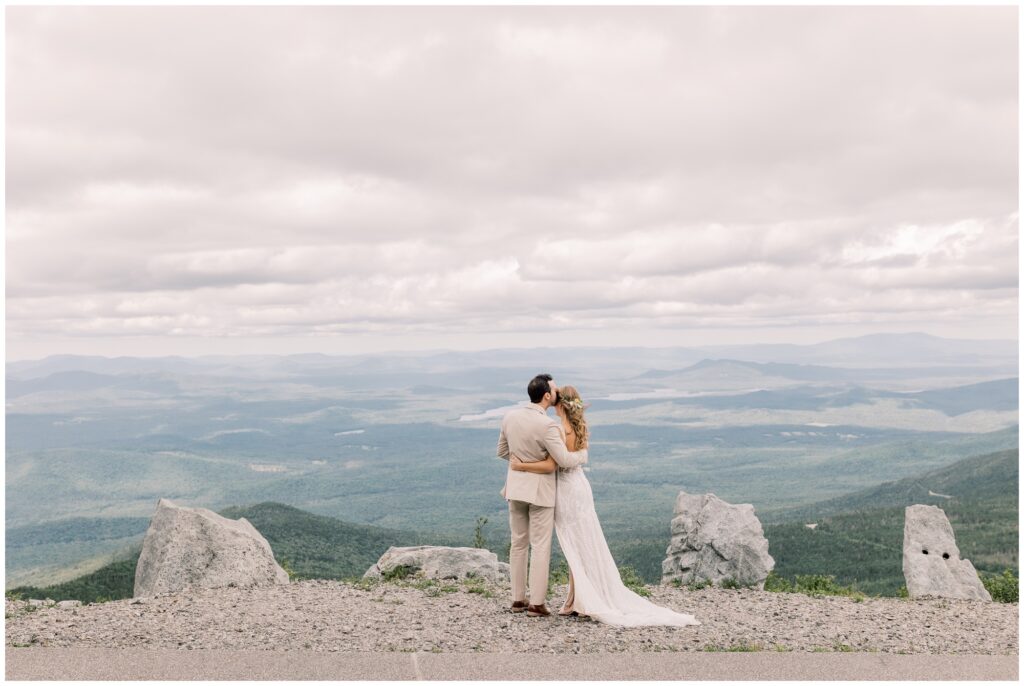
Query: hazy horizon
[541,346]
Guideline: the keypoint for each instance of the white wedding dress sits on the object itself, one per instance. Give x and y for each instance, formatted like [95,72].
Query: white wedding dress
[599,591]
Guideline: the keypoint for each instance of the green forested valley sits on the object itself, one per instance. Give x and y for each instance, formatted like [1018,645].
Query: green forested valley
[857,538]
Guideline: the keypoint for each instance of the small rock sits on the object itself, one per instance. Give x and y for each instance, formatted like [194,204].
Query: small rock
[441,562]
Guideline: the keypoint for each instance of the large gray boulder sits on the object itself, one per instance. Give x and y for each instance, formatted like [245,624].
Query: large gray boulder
[195,547]
[440,562]
[713,540]
[931,560]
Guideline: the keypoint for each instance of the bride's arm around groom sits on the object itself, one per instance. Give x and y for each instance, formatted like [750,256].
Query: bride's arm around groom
[554,445]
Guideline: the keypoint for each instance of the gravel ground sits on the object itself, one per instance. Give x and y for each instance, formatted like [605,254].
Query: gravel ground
[327,615]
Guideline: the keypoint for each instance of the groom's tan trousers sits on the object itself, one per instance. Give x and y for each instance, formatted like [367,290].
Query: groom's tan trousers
[531,526]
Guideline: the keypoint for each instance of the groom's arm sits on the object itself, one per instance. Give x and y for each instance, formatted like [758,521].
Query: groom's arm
[555,446]
[502,444]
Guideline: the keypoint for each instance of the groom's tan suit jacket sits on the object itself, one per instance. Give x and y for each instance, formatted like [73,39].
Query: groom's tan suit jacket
[531,435]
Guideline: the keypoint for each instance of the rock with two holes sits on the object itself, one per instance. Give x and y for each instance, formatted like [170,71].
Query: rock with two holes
[931,561]
[192,547]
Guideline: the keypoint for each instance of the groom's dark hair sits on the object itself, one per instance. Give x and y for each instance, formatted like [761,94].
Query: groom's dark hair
[538,386]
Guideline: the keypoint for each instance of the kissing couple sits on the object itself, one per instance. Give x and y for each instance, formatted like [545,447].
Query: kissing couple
[546,489]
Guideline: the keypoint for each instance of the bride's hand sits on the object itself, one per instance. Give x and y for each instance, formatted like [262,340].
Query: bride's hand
[516,464]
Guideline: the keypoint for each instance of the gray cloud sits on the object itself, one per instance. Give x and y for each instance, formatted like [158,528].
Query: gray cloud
[272,172]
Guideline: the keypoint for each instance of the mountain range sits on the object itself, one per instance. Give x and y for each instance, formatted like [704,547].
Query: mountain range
[857,538]
[406,441]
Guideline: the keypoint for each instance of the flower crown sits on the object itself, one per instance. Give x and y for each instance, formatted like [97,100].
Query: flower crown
[575,402]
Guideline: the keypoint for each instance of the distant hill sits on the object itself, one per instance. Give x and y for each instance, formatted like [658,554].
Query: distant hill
[910,349]
[76,381]
[1001,394]
[325,547]
[60,550]
[798,372]
[997,396]
[314,546]
[733,375]
[982,478]
[75,529]
[859,537]
[812,373]
[806,386]
[894,350]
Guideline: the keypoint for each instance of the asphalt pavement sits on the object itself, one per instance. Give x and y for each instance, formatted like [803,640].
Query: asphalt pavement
[171,664]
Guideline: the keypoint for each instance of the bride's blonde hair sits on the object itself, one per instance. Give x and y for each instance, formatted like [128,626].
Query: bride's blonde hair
[572,404]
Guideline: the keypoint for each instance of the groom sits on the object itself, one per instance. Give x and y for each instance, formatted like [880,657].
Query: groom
[531,435]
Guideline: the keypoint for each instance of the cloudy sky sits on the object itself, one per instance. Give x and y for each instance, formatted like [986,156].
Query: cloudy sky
[340,179]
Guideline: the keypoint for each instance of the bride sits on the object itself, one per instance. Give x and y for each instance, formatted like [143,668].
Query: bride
[595,587]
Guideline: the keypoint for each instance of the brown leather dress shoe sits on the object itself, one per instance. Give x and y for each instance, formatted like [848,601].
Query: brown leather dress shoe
[519,606]
[537,611]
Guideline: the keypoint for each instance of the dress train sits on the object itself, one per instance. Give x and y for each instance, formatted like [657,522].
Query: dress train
[598,588]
